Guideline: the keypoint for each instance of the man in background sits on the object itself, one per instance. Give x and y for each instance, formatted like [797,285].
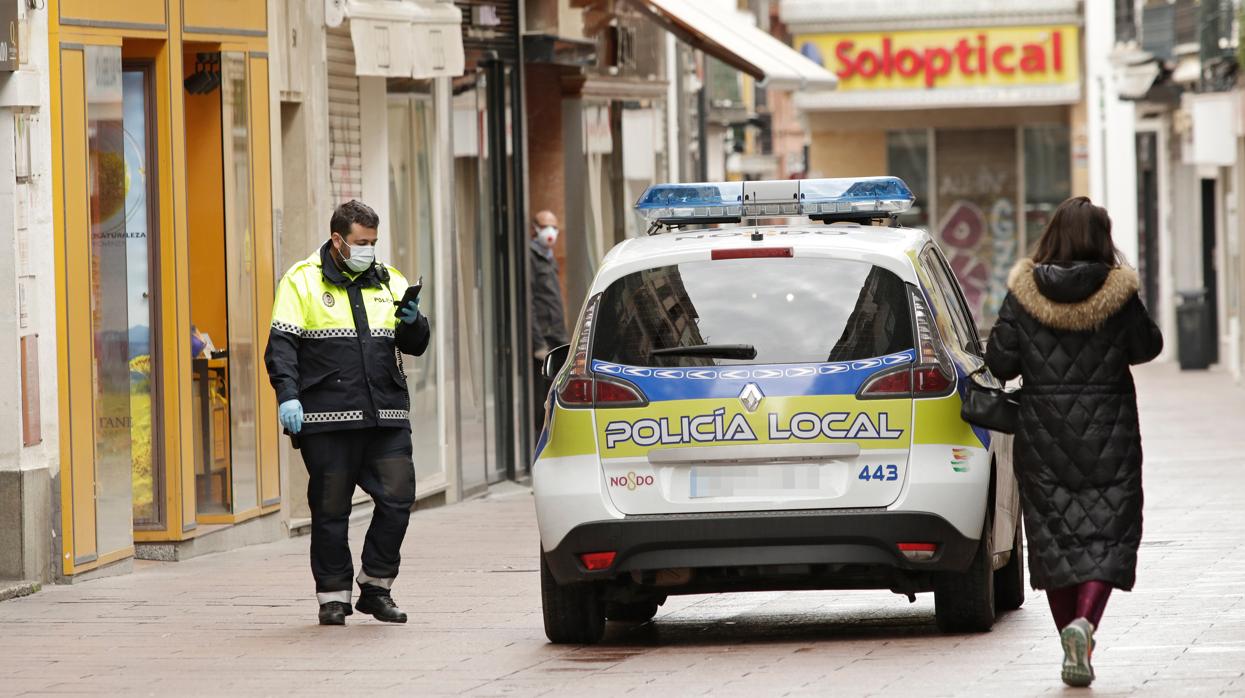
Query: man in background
[547,315]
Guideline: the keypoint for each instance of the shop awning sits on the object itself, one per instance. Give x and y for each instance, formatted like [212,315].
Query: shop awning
[406,38]
[738,44]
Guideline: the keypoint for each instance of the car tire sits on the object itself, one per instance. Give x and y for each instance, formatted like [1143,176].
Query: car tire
[574,613]
[1009,580]
[964,601]
[634,612]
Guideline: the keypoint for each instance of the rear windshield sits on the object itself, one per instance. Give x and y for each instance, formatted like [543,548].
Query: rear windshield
[791,310]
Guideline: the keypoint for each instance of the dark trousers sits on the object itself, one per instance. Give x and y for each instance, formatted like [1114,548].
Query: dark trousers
[377,460]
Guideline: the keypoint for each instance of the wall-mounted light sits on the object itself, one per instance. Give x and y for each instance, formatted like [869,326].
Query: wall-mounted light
[206,77]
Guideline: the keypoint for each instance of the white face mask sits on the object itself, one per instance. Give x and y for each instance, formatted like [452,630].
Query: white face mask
[548,235]
[361,256]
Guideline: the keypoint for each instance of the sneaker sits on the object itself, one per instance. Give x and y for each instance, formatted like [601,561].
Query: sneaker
[1078,641]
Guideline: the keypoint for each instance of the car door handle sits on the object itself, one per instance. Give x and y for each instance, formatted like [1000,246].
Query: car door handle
[752,454]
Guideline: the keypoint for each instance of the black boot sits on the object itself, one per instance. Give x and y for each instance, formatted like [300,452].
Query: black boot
[379,604]
[334,613]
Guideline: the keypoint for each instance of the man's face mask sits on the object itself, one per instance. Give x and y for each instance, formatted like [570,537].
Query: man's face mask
[547,235]
[361,256]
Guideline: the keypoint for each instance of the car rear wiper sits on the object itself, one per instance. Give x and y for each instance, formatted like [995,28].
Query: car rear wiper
[721,351]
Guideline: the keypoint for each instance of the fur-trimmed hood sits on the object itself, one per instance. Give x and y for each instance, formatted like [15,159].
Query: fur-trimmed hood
[1120,284]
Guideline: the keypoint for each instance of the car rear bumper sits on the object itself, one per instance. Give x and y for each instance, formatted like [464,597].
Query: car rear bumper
[724,540]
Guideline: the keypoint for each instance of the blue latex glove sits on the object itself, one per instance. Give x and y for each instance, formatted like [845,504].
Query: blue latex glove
[291,414]
[409,313]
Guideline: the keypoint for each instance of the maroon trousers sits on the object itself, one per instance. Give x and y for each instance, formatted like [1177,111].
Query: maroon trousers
[1085,600]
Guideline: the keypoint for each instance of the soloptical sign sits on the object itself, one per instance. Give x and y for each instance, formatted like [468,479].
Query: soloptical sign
[948,58]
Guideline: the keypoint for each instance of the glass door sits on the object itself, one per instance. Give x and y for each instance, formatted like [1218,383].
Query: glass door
[239,280]
[110,292]
[141,221]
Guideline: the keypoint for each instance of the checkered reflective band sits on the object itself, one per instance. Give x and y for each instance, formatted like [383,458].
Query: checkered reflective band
[286,327]
[351,416]
[393,414]
[290,328]
[330,334]
[382,332]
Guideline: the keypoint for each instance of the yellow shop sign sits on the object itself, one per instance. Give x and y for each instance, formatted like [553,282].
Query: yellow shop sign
[938,58]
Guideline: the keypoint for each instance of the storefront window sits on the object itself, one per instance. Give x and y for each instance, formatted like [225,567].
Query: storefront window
[239,280]
[473,202]
[139,220]
[977,190]
[111,331]
[1048,176]
[412,234]
[907,157]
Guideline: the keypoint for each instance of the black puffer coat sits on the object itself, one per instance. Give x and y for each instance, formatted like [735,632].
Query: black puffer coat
[1072,331]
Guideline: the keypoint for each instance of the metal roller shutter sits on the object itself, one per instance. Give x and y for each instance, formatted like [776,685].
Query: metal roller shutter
[345,140]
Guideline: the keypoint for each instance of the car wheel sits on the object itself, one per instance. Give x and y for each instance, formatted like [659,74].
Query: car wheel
[964,601]
[1009,580]
[574,613]
[634,612]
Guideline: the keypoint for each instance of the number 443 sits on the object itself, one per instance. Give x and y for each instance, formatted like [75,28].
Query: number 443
[884,473]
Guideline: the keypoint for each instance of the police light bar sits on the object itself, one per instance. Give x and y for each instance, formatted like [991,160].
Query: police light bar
[730,202]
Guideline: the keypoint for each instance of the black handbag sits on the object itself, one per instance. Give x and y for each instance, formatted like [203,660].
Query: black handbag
[996,409]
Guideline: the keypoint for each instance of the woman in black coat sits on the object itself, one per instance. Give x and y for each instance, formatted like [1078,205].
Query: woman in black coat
[1071,326]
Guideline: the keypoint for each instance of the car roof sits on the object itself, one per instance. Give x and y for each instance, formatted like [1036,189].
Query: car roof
[893,249]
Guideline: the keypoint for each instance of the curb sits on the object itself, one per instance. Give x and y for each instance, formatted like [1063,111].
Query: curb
[13,590]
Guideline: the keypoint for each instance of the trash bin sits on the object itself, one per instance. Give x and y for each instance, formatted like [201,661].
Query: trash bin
[1193,341]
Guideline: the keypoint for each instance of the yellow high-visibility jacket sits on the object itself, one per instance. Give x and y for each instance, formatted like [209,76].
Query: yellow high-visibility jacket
[335,342]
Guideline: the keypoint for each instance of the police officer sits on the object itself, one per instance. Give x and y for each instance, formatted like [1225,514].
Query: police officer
[334,359]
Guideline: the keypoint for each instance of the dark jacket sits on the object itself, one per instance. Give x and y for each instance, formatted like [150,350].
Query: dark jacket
[548,319]
[334,345]
[1071,332]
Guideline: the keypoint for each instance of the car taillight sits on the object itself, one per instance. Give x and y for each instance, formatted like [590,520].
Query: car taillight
[888,384]
[933,374]
[574,387]
[576,392]
[615,393]
[929,380]
[602,392]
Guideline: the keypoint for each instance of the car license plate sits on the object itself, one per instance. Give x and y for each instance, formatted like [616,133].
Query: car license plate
[757,480]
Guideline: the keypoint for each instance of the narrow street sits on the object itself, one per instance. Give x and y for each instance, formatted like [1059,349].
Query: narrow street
[244,623]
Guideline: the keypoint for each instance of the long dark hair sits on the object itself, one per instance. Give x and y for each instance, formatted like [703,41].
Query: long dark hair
[1078,232]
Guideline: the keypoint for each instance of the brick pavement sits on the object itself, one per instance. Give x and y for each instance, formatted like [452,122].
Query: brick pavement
[243,622]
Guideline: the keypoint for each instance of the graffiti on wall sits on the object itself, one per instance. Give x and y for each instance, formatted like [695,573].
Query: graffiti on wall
[980,247]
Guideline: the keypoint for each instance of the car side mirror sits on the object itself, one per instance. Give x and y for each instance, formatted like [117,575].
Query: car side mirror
[555,359]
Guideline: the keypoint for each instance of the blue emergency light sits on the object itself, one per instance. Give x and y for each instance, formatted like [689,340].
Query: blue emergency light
[845,198]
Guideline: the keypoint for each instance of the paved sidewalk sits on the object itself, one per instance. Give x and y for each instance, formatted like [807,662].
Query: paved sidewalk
[243,623]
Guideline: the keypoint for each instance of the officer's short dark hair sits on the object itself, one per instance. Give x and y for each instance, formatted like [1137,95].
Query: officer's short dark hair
[353,212]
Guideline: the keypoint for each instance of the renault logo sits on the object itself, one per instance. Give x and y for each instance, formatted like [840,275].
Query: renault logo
[751,397]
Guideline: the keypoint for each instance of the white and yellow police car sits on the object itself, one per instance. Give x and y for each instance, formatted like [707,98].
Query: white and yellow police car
[752,407]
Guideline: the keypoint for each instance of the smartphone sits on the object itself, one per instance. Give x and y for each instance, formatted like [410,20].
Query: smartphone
[412,292]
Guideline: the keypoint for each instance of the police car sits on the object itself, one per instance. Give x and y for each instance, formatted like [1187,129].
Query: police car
[753,407]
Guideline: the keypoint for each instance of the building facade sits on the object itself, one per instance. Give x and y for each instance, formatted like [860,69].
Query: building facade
[979,107]
[30,461]
[1176,65]
[162,274]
